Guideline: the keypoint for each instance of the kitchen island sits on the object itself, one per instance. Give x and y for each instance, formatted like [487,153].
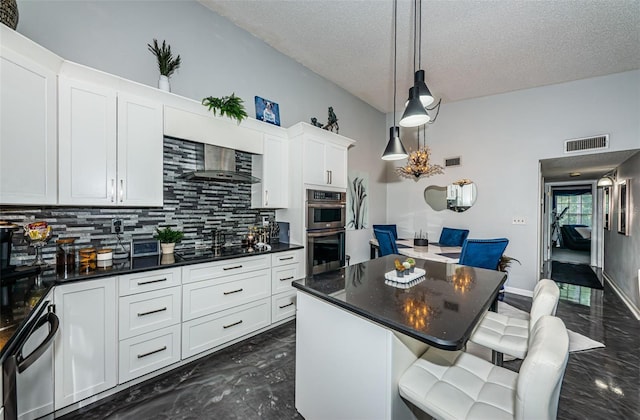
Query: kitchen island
[357,332]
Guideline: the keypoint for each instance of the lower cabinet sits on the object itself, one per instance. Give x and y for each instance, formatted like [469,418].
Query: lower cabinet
[283,306]
[148,352]
[86,348]
[209,331]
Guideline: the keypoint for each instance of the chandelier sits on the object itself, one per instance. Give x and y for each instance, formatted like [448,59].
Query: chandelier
[418,163]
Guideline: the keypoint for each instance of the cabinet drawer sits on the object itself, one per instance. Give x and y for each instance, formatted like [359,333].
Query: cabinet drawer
[205,333]
[207,297]
[218,269]
[287,257]
[149,280]
[281,277]
[283,306]
[148,352]
[149,311]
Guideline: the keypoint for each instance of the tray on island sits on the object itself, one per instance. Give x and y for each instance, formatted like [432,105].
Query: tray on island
[407,278]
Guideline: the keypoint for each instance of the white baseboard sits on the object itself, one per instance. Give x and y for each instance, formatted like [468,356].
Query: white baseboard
[516,291]
[632,307]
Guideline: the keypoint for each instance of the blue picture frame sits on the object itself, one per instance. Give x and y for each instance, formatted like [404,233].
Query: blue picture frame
[267,111]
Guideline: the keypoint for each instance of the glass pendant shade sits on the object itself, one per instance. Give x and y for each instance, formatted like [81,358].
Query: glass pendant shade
[423,91]
[394,150]
[414,114]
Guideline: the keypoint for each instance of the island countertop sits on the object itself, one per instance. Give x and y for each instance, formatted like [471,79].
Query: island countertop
[441,309]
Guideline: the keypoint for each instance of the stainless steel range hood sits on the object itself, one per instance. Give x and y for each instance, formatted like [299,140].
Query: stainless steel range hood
[220,165]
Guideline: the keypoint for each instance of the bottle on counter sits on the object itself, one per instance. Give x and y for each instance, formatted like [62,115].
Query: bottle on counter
[65,256]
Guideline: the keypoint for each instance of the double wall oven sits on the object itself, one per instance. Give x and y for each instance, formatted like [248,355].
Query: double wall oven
[326,215]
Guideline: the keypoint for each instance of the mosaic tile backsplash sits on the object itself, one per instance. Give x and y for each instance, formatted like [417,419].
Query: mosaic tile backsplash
[194,206]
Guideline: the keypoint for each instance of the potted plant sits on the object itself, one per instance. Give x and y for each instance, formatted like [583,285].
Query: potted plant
[503,265]
[167,64]
[168,238]
[231,106]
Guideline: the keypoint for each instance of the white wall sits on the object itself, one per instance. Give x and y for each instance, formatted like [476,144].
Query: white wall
[622,253]
[501,139]
[218,58]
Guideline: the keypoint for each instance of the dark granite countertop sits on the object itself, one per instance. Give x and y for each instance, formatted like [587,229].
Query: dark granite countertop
[25,295]
[441,309]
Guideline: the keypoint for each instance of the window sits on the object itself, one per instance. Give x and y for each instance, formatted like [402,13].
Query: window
[579,207]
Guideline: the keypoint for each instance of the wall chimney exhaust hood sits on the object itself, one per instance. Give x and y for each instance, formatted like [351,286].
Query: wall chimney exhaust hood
[220,165]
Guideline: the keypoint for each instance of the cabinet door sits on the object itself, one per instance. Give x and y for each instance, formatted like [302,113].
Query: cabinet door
[139,152]
[313,162]
[87,143]
[275,182]
[86,347]
[28,131]
[335,158]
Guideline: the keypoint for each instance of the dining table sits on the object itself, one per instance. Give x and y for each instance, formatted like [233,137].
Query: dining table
[360,327]
[433,251]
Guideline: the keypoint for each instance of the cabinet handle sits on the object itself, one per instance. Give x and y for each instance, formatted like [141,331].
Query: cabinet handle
[232,268]
[152,312]
[266,197]
[285,258]
[142,283]
[330,177]
[232,325]
[121,190]
[287,278]
[284,306]
[233,291]
[328,181]
[113,189]
[140,356]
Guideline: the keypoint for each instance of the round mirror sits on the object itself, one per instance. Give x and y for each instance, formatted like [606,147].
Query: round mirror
[458,197]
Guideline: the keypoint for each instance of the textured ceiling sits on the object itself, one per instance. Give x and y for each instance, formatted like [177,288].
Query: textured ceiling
[469,48]
[590,166]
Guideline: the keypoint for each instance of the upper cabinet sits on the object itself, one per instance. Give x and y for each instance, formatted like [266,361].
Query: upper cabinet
[110,146]
[324,156]
[28,121]
[273,170]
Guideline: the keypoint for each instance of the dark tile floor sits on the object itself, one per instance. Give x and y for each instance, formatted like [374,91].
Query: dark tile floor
[255,378]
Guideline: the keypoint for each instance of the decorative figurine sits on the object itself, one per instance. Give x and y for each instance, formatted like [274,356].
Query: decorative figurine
[332,122]
[315,123]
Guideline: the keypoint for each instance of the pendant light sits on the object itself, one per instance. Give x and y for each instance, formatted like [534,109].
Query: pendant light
[418,163]
[395,149]
[415,113]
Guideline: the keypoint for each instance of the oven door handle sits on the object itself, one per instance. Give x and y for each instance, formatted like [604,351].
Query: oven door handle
[23,363]
[325,205]
[324,232]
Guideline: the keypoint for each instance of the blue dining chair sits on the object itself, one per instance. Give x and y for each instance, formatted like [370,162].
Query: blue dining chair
[386,242]
[453,237]
[391,228]
[483,253]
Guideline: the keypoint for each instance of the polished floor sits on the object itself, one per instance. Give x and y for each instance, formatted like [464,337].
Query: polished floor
[255,379]
[570,256]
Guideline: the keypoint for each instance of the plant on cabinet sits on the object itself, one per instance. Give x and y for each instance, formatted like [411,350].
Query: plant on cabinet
[167,64]
[168,239]
[231,106]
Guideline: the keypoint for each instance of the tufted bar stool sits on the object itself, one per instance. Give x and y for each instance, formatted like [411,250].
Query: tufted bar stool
[509,335]
[459,385]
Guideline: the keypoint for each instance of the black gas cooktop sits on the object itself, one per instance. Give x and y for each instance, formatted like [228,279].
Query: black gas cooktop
[191,254]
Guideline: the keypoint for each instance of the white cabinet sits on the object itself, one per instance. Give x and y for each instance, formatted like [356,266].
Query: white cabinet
[110,146]
[286,267]
[149,322]
[324,156]
[273,170]
[28,121]
[86,347]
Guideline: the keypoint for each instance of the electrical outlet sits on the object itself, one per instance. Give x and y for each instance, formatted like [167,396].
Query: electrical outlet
[519,221]
[116,226]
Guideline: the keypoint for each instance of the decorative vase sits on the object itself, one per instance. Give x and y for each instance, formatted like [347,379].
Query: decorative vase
[399,273]
[167,247]
[9,13]
[163,84]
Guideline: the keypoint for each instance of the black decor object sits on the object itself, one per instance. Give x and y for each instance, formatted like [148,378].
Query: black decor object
[578,274]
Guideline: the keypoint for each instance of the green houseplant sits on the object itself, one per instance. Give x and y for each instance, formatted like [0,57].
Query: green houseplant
[231,106]
[168,238]
[167,64]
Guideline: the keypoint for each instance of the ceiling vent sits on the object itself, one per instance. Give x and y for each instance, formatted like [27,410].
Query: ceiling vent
[587,143]
[454,161]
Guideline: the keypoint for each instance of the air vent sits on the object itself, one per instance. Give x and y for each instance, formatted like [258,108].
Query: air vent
[454,161]
[587,143]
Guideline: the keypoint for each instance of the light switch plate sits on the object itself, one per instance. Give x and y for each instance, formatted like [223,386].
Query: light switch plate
[519,220]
